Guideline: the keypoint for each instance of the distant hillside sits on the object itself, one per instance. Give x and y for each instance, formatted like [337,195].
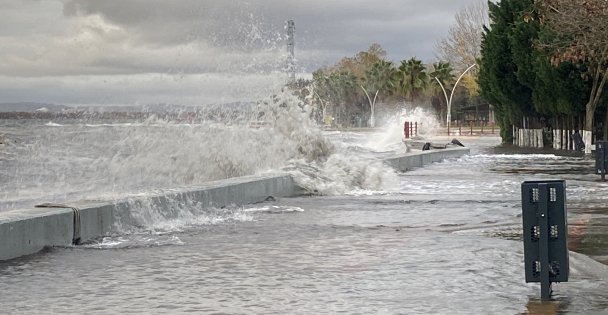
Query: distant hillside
[31,107]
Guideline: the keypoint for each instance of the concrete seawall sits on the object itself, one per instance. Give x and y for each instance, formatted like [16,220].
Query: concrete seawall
[408,161]
[27,231]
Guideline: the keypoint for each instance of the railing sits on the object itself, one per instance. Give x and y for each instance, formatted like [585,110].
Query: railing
[410,129]
[463,128]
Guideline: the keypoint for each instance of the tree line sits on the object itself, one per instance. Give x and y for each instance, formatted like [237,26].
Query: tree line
[540,64]
[544,64]
[350,90]
[353,87]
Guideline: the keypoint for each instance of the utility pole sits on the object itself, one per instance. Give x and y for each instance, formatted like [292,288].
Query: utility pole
[291,60]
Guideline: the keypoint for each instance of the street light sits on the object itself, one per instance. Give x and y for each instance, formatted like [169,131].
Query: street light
[323,106]
[372,105]
[449,100]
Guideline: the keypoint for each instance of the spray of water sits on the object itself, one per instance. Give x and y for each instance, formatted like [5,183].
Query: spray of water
[390,136]
[318,165]
[62,161]
[108,159]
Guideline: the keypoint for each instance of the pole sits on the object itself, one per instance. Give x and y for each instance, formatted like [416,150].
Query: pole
[448,128]
[291,66]
[323,106]
[372,104]
[447,103]
[454,89]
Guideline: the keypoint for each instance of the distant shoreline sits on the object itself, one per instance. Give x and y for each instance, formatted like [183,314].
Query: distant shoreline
[88,114]
[198,114]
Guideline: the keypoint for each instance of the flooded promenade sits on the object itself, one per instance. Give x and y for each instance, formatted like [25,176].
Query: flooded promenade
[446,240]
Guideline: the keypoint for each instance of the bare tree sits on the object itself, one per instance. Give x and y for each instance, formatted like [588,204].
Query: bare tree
[462,46]
[580,36]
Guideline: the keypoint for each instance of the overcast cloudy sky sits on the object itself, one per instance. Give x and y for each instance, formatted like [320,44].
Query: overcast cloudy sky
[195,51]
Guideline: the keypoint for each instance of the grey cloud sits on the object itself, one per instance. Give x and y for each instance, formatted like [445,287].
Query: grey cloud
[83,38]
[229,23]
[140,89]
[170,22]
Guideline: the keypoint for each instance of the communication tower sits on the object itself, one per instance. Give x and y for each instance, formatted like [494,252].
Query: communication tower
[291,60]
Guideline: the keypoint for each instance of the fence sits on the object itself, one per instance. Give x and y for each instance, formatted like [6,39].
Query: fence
[463,128]
[410,129]
[573,140]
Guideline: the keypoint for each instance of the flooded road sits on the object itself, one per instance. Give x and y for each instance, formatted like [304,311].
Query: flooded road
[446,241]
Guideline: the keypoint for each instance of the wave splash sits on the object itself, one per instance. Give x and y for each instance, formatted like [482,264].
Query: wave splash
[71,160]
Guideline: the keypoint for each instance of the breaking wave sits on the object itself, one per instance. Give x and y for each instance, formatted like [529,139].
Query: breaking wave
[71,160]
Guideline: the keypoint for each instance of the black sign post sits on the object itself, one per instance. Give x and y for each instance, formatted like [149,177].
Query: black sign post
[545,233]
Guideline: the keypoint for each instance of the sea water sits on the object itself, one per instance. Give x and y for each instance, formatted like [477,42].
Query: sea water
[447,240]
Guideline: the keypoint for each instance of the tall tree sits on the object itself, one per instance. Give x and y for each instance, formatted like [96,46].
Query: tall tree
[462,46]
[579,34]
[362,61]
[498,73]
[518,78]
[413,78]
[556,90]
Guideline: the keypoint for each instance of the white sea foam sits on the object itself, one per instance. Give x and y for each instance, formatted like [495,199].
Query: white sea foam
[273,209]
[391,130]
[106,161]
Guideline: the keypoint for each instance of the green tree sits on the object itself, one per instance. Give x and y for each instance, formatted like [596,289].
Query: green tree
[518,78]
[336,90]
[556,90]
[579,32]
[339,86]
[498,72]
[413,78]
[381,78]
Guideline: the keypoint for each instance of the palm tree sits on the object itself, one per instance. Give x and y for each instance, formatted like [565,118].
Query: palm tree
[413,78]
[442,78]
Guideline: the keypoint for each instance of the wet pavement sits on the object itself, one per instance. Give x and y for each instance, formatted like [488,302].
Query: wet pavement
[446,241]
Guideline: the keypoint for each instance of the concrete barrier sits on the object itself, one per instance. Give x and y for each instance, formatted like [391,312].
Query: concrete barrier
[408,161]
[24,232]
[27,231]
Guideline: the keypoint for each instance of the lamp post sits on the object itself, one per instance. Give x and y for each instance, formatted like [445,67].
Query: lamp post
[449,100]
[323,105]
[372,105]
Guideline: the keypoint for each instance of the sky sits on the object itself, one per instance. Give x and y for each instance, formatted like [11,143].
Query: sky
[196,52]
